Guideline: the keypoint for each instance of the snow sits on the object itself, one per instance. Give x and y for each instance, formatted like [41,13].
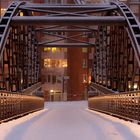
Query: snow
[68,121]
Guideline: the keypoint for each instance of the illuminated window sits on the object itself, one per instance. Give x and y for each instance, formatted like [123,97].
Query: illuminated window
[32,13]
[84,63]
[54,49]
[85,78]
[3,11]
[89,79]
[84,50]
[55,63]
[47,63]
[21,14]
[47,49]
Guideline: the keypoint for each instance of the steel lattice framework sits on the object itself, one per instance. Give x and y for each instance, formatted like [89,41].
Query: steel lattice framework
[113,26]
[117,41]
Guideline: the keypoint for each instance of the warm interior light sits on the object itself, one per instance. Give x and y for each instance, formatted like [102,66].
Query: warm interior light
[21,14]
[89,79]
[129,86]
[51,90]
[53,50]
[32,13]
[3,11]
[47,49]
[55,63]
[84,81]
[135,86]
[21,81]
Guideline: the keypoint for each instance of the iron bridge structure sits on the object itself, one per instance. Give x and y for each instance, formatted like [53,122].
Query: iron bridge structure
[115,32]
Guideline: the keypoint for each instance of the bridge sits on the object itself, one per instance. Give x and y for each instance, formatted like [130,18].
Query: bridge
[116,33]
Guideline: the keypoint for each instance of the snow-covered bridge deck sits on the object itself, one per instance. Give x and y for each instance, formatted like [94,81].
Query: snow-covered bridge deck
[69,121]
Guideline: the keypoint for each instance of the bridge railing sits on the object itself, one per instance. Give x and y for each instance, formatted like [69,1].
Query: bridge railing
[125,105]
[15,105]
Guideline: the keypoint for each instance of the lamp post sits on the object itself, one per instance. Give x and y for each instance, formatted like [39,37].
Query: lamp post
[64,78]
[51,93]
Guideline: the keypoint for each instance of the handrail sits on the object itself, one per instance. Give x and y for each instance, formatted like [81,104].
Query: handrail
[124,105]
[15,105]
[101,88]
[31,89]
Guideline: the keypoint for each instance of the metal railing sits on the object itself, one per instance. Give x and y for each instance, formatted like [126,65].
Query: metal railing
[16,105]
[123,105]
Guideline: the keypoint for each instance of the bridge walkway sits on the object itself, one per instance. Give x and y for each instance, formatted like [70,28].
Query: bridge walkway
[68,121]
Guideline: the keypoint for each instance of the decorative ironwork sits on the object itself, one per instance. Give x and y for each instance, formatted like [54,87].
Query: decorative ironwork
[15,105]
[124,105]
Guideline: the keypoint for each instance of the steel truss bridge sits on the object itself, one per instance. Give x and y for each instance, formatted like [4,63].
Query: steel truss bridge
[116,34]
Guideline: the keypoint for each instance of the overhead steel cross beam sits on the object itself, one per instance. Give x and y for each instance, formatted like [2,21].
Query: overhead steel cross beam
[66,45]
[67,7]
[82,11]
[70,13]
[63,30]
[60,10]
[65,20]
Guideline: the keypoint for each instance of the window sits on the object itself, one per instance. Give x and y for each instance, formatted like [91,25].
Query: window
[59,79]
[3,10]
[53,79]
[84,63]
[47,63]
[85,78]
[84,50]
[55,63]
[47,49]
[48,78]
[21,14]
[54,49]
[65,49]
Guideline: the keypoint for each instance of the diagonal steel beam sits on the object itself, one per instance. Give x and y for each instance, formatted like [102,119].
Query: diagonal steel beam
[61,38]
[69,38]
[85,27]
[95,10]
[47,28]
[54,13]
[82,12]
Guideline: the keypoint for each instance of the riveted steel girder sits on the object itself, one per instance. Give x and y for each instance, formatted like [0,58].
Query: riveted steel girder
[64,20]
[66,45]
[67,7]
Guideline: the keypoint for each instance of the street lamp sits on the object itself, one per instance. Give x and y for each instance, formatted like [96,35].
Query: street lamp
[51,94]
[64,78]
[51,90]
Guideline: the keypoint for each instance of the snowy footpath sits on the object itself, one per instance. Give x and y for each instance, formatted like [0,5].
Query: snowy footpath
[68,121]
